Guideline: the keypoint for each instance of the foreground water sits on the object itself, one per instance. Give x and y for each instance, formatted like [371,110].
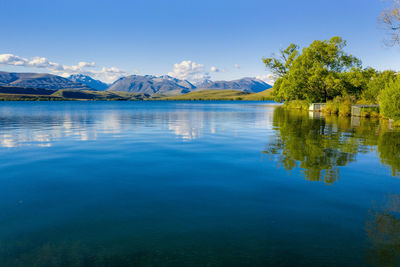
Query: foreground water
[195,184]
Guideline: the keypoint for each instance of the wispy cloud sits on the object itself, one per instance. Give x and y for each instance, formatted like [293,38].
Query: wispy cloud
[189,70]
[268,78]
[236,66]
[107,74]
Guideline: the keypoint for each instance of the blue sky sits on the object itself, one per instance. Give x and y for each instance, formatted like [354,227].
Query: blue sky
[149,37]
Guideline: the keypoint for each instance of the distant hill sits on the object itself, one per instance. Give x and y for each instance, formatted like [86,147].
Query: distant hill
[210,95]
[98,95]
[224,94]
[264,95]
[89,81]
[24,90]
[39,80]
[245,84]
[152,85]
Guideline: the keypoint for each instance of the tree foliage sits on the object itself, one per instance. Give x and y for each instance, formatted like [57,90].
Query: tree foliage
[281,65]
[389,100]
[378,82]
[316,74]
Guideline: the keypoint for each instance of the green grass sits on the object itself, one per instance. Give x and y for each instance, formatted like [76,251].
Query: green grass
[98,95]
[84,95]
[264,95]
[297,104]
[89,95]
[210,95]
[340,105]
[221,95]
[14,90]
[370,112]
[20,97]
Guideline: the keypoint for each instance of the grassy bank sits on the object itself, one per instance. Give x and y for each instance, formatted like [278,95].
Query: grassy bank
[74,95]
[341,106]
[19,97]
[221,95]
[98,95]
[32,94]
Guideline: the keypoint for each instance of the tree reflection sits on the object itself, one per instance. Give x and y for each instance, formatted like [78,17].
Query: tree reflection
[383,230]
[389,151]
[319,146]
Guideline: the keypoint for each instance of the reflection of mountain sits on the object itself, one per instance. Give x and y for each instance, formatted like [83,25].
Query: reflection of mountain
[319,146]
[187,125]
[383,230]
[29,130]
[30,126]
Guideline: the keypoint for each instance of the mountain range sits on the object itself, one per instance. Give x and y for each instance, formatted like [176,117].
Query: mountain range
[89,81]
[147,84]
[245,84]
[152,85]
[40,81]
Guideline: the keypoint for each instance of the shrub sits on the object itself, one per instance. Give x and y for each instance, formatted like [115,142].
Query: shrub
[376,85]
[345,105]
[332,106]
[389,100]
[370,112]
[297,104]
[340,105]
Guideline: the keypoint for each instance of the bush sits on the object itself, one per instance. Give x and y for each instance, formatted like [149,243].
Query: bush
[396,124]
[376,85]
[389,100]
[345,105]
[332,106]
[340,105]
[297,104]
[370,112]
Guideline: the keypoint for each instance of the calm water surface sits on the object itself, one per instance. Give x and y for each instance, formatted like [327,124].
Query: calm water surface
[195,184]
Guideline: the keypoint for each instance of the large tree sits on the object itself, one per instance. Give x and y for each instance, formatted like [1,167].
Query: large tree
[316,74]
[390,19]
[280,65]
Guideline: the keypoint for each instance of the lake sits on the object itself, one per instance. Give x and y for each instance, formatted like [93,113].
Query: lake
[195,184]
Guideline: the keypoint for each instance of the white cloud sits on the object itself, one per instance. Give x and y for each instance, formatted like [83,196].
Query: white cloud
[189,70]
[268,78]
[86,64]
[214,69]
[10,59]
[104,74]
[236,66]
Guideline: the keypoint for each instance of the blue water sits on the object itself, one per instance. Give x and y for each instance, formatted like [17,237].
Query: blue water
[190,184]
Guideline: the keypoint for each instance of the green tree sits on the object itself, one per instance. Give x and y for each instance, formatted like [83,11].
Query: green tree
[356,81]
[389,100]
[314,75]
[378,82]
[281,65]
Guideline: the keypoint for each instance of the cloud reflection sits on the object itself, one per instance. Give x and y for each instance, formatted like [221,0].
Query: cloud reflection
[29,127]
